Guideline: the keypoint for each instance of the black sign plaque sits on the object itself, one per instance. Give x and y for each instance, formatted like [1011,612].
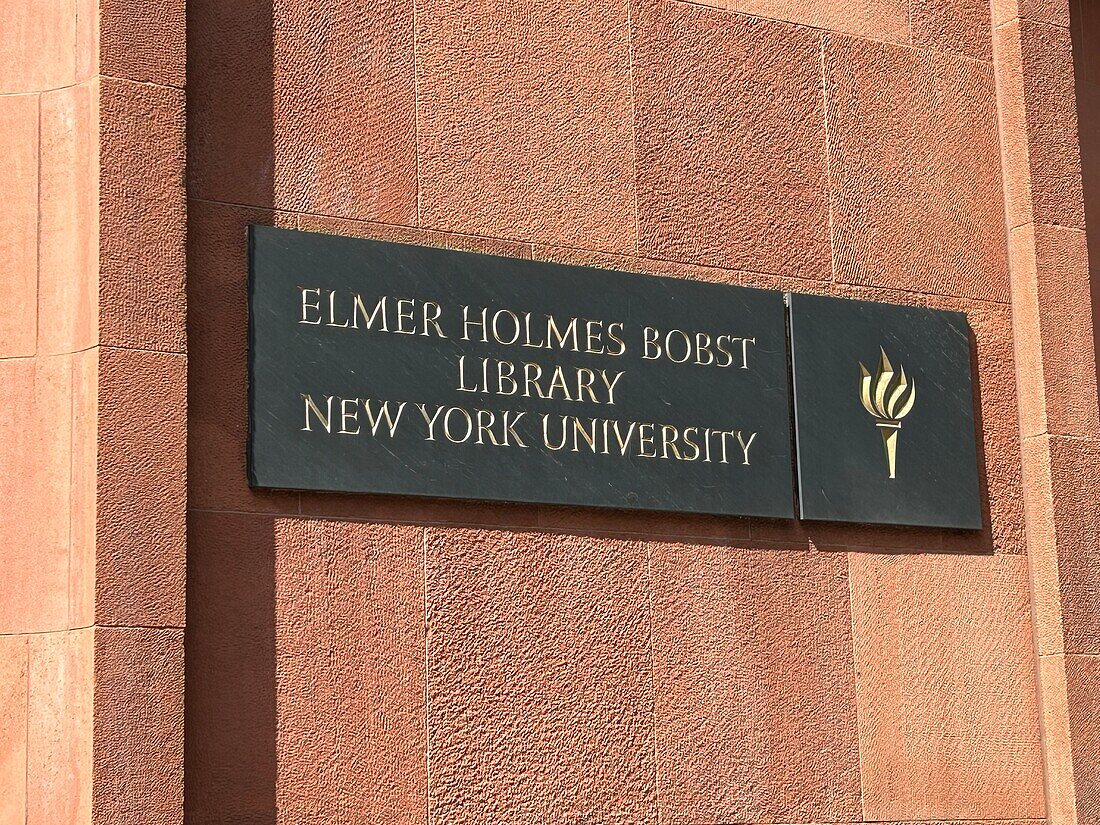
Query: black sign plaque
[387,368]
[883,414]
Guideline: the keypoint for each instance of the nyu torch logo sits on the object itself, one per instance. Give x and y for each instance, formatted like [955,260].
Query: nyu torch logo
[889,397]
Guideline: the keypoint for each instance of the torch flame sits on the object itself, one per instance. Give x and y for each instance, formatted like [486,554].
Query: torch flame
[888,396]
[885,396]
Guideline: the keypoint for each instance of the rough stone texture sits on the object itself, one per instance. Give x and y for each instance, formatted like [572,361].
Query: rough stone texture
[350,673]
[13,730]
[874,19]
[230,92]
[19,224]
[142,216]
[961,26]
[730,140]
[539,686]
[40,44]
[344,109]
[68,228]
[411,235]
[948,716]
[138,740]
[131,48]
[1054,12]
[217,400]
[753,686]
[82,487]
[1055,347]
[230,718]
[59,726]
[1040,126]
[1057,746]
[34,489]
[634,263]
[914,166]
[141,488]
[1083,689]
[524,121]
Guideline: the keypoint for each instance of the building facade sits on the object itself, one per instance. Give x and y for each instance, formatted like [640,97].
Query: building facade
[177,647]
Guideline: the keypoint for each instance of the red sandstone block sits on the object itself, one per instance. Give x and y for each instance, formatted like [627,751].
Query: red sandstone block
[1049,120]
[1083,689]
[1054,12]
[138,750]
[13,730]
[753,686]
[350,671]
[314,114]
[914,163]
[1012,121]
[730,141]
[59,728]
[82,485]
[1057,747]
[144,42]
[948,716]
[1075,488]
[217,426]
[230,669]
[416,510]
[142,216]
[539,686]
[40,45]
[874,19]
[68,246]
[1042,547]
[524,121]
[642,524]
[141,488]
[344,136]
[1057,363]
[961,26]
[19,224]
[34,489]
[230,149]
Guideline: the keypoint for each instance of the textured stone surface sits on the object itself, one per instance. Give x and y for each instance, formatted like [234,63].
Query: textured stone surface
[59,728]
[753,686]
[350,670]
[948,719]
[1039,113]
[914,165]
[411,235]
[13,730]
[524,120]
[19,224]
[138,747]
[344,112]
[40,44]
[1054,12]
[539,687]
[142,492]
[143,41]
[1056,346]
[961,26]
[1083,689]
[230,722]
[142,216]
[34,489]
[877,20]
[730,141]
[217,427]
[68,246]
[82,487]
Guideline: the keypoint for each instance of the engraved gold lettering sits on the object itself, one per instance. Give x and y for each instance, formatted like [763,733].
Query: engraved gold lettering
[347,415]
[467,323]
[359,308]
[404,315]
[745,445]
[306,306]
[323,418]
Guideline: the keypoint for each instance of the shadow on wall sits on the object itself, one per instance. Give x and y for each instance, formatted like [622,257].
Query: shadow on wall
[230,717]
[1085,28]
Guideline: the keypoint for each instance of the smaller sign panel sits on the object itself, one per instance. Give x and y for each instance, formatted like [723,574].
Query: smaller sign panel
[388,368]
[883,407]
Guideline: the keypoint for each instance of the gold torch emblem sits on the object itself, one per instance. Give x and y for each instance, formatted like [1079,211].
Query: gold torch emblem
[888,396]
